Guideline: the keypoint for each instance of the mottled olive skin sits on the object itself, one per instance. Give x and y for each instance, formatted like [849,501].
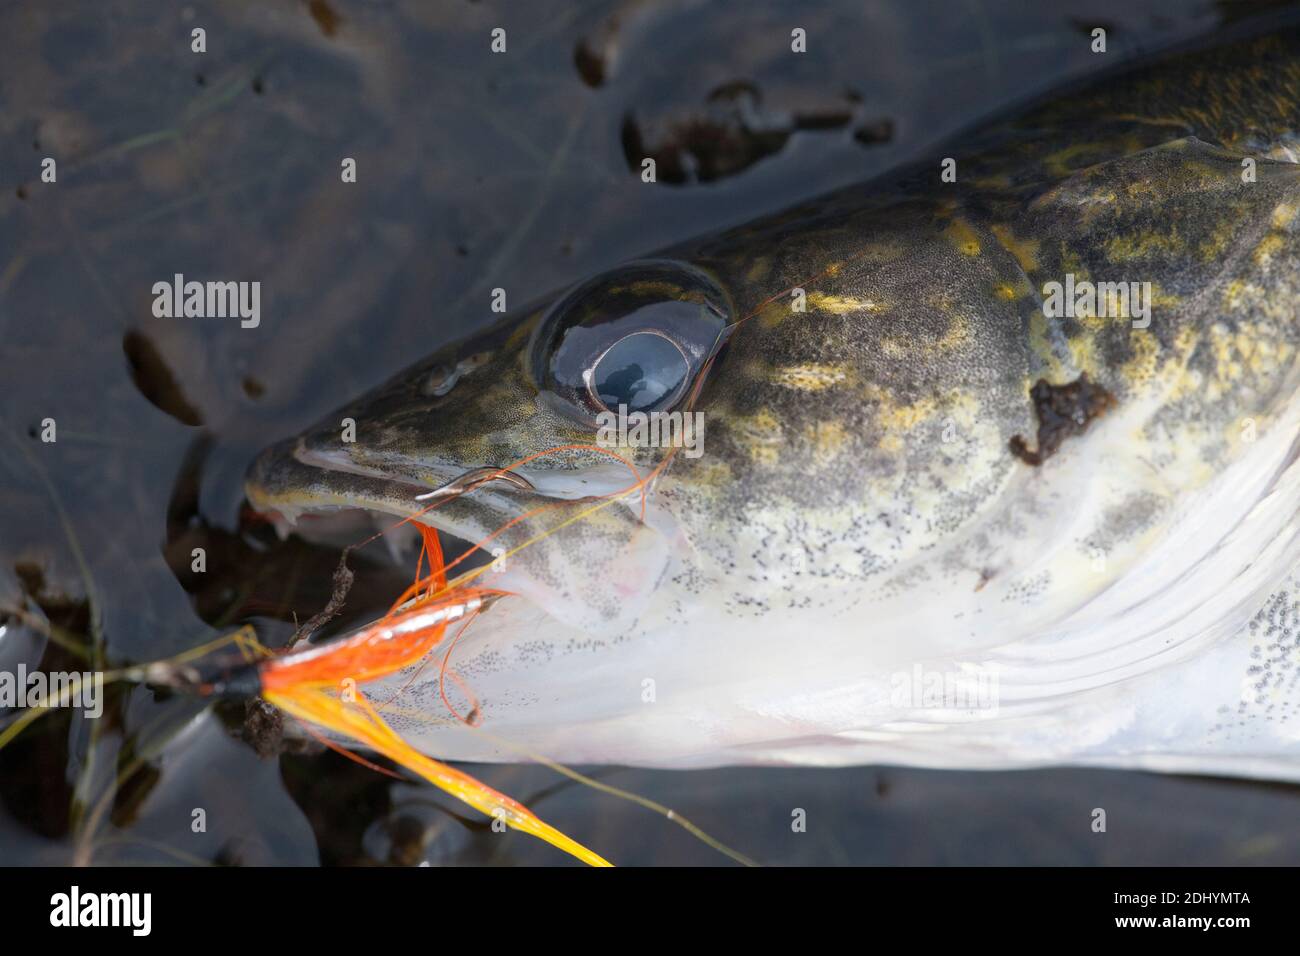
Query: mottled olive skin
[848,439]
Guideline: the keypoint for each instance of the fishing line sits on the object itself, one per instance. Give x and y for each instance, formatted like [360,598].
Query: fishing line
[163,671]
[667,813]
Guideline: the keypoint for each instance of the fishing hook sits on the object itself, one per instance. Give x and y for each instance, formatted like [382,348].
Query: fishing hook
[472,479]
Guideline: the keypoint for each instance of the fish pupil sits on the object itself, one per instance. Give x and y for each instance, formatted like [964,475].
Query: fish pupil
[641,371]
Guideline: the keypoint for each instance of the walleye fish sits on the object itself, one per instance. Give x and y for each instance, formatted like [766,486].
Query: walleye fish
[935,518]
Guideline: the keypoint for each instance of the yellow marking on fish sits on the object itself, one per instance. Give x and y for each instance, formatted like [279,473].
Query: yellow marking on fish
[1160,299]
[1227,229]
[894,416]
[1143,189]
[655,287]
[774,313]
[1147,120]
[1268,247]
[955,336]
[826,440]
[1186,341]
[1231,351]
[810,377]
[1040,341]
[1071,262]
[1237,293]
[1284,213]
[1141,368]
[1112,304]
[712,473]
[964,237]
[1062,162]
[760,434]
[1025,251]
[874,253]
[519,336]
[511,401]
[1083,353]
[1144,245]
[843,304]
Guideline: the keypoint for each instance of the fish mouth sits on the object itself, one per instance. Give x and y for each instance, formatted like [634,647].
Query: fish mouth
[516,530]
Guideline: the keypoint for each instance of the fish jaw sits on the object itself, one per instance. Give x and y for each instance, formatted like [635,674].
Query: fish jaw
[527,536]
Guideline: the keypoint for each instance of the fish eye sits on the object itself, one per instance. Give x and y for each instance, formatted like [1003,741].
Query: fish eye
[643,371]
[633,337]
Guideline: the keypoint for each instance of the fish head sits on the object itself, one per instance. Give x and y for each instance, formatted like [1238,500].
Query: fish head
[899,453]
[564,513]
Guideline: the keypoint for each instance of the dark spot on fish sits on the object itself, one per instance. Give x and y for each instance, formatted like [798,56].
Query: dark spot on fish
[325,17]
[1063,411]
[874,133]
[462,251]
[258,86]
[21,192]
[200,79]
[252,387]
[155,380]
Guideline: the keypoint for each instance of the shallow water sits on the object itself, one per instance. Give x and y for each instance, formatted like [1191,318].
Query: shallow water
[474,170]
